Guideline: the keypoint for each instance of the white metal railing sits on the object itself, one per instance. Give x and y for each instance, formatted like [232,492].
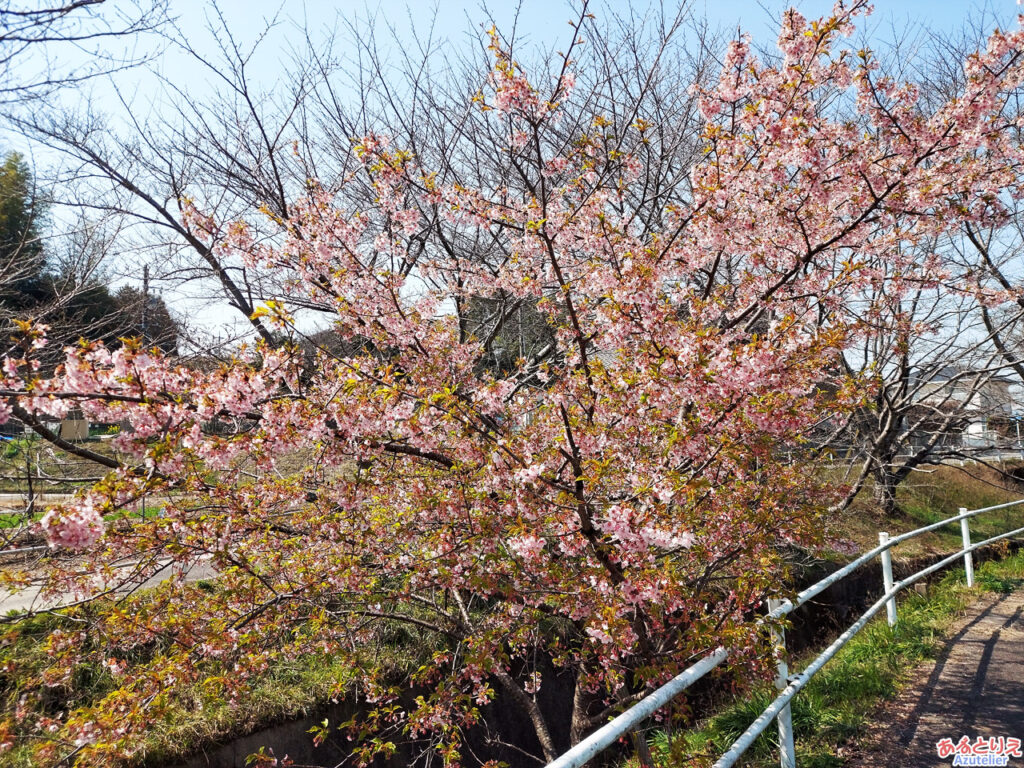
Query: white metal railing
[789,686]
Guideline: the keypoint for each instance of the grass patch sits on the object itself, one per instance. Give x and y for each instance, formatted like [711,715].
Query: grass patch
[9,520]
[53,470]
[930,496]
[13,519]
[44,692]
[194,717]
[838,702]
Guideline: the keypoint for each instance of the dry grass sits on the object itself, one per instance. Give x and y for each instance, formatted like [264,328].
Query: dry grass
[929,496]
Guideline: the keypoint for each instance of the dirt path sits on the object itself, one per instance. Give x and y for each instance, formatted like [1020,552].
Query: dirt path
[975,689]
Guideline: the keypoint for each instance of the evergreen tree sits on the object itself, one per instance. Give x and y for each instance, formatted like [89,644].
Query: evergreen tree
[23,281]
[75,302]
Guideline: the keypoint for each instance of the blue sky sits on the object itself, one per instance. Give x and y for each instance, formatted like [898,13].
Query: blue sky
[541,17]
[545,20]
[543,23]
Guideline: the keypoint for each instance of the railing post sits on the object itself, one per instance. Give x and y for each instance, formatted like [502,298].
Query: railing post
[965,531]
[890,604]
[787,752]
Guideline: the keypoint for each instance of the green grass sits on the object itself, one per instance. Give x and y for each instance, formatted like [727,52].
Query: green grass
[839,701]
[927,503]
[13,519]
[153,509]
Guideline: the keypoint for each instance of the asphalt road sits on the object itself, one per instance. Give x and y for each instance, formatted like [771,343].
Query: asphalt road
[17,500]
[29,599]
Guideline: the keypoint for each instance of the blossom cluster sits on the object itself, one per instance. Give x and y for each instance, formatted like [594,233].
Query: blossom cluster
[610,496]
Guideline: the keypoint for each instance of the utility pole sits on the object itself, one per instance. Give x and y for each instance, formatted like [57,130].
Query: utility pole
[145,303]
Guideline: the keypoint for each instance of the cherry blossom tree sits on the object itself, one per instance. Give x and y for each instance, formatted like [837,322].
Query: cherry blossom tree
[940,353]
[610,505]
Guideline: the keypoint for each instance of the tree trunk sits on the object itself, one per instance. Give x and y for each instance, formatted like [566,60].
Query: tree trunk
[580,724]
[642,750]
[885,491]
[540,726]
